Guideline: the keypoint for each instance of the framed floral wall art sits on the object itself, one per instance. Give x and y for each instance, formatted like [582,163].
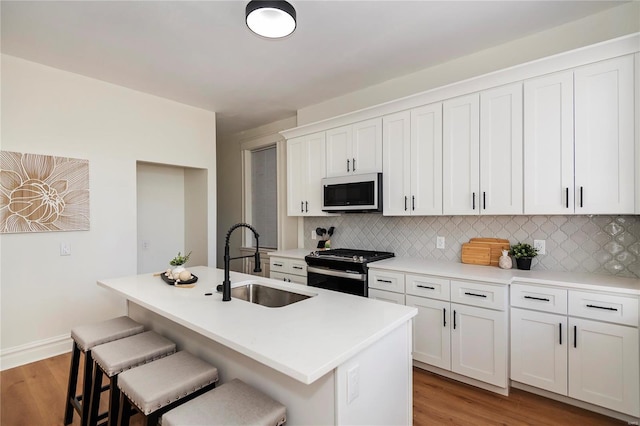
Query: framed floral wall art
[42,193]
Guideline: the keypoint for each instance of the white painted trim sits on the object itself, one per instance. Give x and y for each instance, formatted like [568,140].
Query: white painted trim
[34,351]
[576,403]
[636,72]
[566,60]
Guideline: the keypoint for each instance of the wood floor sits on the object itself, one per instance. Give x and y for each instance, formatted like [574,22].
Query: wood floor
[33,395]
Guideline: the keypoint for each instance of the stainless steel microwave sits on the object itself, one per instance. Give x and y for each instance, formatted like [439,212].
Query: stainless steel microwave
[352,193]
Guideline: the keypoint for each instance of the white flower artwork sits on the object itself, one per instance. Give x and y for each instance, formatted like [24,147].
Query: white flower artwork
[42,193]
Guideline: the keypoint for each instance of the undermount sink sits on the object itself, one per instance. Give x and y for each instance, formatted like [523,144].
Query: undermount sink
[266,296]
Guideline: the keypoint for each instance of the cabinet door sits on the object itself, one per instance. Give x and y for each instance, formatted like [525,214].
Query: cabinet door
[339,151]
[501,150]
[296,175]
[396,162]
[479,344]
[315,171]
[367,147]
[603,365]
[539,349]
[426,160]
[431,331]
[604,137]
[548,144]
[461,155]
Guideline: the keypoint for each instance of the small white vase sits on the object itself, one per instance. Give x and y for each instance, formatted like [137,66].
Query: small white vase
[505,261]
[177,269]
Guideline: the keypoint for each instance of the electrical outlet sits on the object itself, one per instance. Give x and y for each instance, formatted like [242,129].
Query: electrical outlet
[314,236]
[145,244]
[440,242]
[540,245]
[353,383]
[65,249]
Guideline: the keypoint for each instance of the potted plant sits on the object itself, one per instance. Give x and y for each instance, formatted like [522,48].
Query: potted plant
[178,262]
[523,253]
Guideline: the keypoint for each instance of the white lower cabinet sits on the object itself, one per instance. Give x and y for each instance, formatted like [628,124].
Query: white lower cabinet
[288,270]
[465,339]
[595,360]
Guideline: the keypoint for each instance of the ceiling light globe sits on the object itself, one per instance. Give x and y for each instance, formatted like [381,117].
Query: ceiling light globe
[271,19]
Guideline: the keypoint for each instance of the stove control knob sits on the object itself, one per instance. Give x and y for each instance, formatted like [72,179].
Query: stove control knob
[361,259]
[355,258]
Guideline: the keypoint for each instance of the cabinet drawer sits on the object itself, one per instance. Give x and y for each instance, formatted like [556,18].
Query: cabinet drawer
[387,280]
[604,307]
[546,299]
[278,264]
[427,286]
[289,278]
[298,267]
[387,296]
[479,294]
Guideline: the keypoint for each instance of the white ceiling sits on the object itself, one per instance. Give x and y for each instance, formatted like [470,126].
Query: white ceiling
[201,53]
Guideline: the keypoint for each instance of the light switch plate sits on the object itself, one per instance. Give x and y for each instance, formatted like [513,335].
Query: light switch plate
[440,242]
[540,245]
[65,249]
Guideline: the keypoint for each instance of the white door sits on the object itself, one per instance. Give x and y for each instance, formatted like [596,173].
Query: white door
[604,137]
[426,160]
[296,175]
[461,155]
[431,331]
[548,144]
[315,172]
[396,162]
[367,147]
[603,365]
[539,349]
[338,151]
[479,344]
[501,150]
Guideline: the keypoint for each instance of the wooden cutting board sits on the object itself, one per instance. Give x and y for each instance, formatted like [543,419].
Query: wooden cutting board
[476,254]
[495,245]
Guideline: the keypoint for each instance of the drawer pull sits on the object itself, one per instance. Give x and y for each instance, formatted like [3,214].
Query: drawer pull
[384,281]
[297,267]
[425,286]
[575,336]
[277,264]
[475,294]
[454,319]
[560,328]
[444,317]
[606,308]
[544,299]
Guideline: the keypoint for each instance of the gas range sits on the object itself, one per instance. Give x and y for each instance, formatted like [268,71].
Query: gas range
[343,270]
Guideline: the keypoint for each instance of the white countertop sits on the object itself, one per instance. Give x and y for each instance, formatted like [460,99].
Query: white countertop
[493,274]
[297,254]
[304,340]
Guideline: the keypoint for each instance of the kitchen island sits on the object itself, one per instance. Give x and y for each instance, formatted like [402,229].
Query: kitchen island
[331,359]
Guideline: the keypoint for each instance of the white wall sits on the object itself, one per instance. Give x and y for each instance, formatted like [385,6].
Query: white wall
[53,112]
[612,23]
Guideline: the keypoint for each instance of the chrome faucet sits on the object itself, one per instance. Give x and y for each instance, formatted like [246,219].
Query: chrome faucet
[225,287]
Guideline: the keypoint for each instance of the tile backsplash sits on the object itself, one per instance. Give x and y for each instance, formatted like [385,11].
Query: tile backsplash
[599,244]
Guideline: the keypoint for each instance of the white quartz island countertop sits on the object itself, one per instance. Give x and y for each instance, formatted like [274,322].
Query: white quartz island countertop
[304,340]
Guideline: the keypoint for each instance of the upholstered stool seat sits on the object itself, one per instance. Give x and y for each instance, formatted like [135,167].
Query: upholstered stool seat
[161,385]
[85,338]
[115,357]
[234,403]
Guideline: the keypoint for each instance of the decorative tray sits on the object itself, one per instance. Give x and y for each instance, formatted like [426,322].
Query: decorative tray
[171,281]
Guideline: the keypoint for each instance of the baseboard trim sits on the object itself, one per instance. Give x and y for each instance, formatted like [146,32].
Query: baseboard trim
[34,351]
[461,378]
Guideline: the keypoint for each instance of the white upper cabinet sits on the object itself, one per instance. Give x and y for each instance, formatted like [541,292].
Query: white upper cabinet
[305,170]
[501,150]
[548,144]
[604,138]
[461,155]
[412,153]
[355,149]
[593,171]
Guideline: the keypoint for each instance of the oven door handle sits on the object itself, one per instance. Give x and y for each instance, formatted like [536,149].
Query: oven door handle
[334,273]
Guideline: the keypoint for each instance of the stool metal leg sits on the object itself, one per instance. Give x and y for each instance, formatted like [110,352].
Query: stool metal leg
[73,383]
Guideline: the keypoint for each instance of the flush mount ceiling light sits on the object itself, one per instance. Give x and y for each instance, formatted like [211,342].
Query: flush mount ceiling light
[271,19]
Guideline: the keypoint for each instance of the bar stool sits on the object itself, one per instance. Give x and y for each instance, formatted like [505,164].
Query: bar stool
[85,338]
[115,357]
[161,385]
[234,403]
